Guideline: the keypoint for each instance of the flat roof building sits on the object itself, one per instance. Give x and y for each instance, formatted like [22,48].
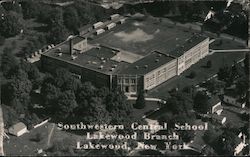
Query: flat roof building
[137,54]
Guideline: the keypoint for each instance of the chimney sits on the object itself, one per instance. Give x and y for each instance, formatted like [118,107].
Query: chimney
[70,46]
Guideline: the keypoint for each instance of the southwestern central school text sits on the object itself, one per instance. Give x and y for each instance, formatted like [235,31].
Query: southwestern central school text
[134,126]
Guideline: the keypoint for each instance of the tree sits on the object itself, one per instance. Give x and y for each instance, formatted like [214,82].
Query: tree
[225,74]
[2,40]
[10,25]
[227,142]
[57,33]
[85,92]
[20,86]
[209,64]
[61,77]
[72,84]
[30,9]
[50,94]
[201,103]
[179,102]
[31,70]
[8,62]
[66,104]
[246,64]
[37,137]
[71,19]
[192,75]
[94,111]
[9,115]
[10,6]
[242,86]
[140,101]
[208,150]
[210,136]
[119,110]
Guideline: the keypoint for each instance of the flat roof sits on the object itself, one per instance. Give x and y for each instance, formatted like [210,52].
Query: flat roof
[214,100]
[142,36]
[187,45]
[147,64]
[136,47]
[97,58]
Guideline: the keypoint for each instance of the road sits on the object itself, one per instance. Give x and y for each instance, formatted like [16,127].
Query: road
[1,131]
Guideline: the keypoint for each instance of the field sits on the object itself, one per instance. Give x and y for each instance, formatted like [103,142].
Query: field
[143,36]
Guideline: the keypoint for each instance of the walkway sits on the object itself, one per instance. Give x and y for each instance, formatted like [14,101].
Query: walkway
[1,131]
[50,134]
[147,99]
[231,50]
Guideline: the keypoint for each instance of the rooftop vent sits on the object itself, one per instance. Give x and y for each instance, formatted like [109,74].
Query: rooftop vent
[94,63]
[103,61]
[157,60]
[59,49]
[112,69]
[89,62]
[73,57]
[98,48]
[159,55]
[59,54]
[101,67]
[114,66]
[137,67]
[102,58]
[146,66]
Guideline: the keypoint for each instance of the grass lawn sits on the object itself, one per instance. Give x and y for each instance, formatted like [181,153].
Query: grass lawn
[23,145]
[150,107]
[225,45]
[218,60]
[233,119]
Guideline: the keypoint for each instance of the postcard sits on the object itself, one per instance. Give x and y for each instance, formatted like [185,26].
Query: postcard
[124,78]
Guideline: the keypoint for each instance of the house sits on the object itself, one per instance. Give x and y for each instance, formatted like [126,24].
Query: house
[238,149]
[18,129]
[232,98]
[215,104]
[219,119]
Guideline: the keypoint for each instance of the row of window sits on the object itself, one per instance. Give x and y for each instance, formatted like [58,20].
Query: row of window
[126,81]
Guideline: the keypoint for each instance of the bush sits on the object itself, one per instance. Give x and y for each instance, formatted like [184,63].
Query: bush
[192,75]
[37,137]
[209,64]
[2,40]
[140,101]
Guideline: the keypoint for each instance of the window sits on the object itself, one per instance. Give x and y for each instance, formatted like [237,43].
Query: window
[133,81]
[119,80]
[126,80]
[164,70]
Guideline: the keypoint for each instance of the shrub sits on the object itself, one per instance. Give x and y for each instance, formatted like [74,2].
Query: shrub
[2,40]
[192,75]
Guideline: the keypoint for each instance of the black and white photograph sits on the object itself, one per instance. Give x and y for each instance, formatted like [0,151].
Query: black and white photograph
[124,78]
